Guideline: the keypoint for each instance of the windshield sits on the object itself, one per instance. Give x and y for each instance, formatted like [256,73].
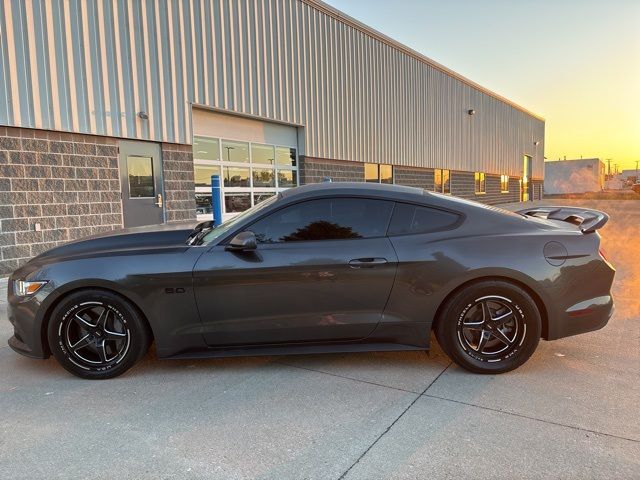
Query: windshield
[226,227]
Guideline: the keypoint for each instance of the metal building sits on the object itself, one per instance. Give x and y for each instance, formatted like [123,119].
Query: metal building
[117,112]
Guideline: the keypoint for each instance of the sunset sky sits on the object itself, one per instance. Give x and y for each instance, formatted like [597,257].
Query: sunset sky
[574,62]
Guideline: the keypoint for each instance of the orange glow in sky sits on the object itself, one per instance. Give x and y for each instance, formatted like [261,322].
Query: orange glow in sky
[574,62]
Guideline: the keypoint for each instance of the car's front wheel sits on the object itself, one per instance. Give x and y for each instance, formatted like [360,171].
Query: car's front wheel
[97,334]
[489,327]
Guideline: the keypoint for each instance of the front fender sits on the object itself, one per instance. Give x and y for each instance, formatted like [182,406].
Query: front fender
[59,291]
[159,282]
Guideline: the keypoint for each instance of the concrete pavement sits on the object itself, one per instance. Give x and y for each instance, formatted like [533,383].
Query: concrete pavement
[571,412]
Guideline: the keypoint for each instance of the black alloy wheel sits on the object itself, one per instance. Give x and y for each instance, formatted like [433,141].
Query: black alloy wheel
[97,334]
[491,326]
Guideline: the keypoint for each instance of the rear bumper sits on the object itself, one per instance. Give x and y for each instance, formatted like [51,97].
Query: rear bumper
[585,316]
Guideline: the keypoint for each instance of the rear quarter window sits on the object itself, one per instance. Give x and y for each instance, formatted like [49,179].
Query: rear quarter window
[413,219]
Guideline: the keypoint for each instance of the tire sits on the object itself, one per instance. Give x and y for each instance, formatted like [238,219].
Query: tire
[489,327]
[96,334]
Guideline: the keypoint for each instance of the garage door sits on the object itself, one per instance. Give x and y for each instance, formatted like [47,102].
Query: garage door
[254,159]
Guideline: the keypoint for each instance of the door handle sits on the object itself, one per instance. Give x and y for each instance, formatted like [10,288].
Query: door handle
[159,202]
[366,262]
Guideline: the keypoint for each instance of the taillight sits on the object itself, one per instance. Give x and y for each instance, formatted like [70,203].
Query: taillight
[603,254]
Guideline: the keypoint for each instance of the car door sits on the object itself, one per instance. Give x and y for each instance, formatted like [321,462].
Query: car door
[323,271]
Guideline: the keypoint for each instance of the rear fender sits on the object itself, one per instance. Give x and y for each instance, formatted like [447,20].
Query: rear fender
[540,296]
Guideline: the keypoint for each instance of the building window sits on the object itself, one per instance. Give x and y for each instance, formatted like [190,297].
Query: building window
[386,174]
[376,173]
[286,156]
[140,172]
[504,183]
[262,154]
[202,174]
[237,152]
[481,183]
[442,181]
[371,172]
[249,173]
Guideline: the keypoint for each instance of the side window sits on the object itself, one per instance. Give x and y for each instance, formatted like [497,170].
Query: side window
[325,219]
[415,219]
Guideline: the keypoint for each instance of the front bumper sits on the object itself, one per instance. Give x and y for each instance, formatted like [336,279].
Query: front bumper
[28,338]
[23,349]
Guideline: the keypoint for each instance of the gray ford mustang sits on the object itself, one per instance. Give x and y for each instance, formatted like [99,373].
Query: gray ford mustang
[320,268]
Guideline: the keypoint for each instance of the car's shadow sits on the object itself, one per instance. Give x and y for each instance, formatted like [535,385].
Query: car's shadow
[385,367]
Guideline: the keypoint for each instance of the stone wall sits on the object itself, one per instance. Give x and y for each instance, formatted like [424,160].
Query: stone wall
[54,187]
[494,195]
[179,188]
[463,185]
[414,177]
[537,189]
[314,170]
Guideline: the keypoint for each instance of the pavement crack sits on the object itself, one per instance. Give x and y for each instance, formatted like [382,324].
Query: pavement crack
[359,380]
[520,415]
[420,395]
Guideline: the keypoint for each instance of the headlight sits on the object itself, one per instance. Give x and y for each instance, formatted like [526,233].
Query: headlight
[23,288]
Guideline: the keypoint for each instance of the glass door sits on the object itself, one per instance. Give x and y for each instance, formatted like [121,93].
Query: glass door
[525,185]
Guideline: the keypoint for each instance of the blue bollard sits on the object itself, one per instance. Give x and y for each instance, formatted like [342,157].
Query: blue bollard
[216,200]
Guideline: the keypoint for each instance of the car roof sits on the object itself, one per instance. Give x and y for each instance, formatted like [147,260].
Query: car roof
[398,193]
[350,188]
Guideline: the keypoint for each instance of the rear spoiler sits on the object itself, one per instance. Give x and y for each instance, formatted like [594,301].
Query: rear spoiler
[587,220]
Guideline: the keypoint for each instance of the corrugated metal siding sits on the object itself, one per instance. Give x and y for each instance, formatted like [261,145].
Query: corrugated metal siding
[90,66]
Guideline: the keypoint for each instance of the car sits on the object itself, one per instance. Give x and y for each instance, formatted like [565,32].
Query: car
[329,267]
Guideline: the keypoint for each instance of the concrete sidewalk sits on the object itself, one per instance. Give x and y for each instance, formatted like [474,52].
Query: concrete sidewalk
[570,412]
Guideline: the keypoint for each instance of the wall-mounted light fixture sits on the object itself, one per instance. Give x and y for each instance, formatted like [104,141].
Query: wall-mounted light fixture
[471,112]
[536,143]
[143,115]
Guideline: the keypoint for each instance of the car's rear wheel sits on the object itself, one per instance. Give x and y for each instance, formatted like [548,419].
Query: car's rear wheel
[97,334]
[489,327]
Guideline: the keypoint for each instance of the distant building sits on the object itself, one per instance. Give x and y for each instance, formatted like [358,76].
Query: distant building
[630,175]
[615,182]
[574,176]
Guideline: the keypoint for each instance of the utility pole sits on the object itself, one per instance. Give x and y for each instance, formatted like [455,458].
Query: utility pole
[609,167]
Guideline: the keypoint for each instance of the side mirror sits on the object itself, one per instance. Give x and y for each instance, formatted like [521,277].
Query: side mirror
[242,242]
[208,225]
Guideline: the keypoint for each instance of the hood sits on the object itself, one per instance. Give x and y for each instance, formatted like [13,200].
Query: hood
[126,239]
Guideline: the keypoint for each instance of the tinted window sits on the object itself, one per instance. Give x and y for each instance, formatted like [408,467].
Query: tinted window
[414,219]
[326,219]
